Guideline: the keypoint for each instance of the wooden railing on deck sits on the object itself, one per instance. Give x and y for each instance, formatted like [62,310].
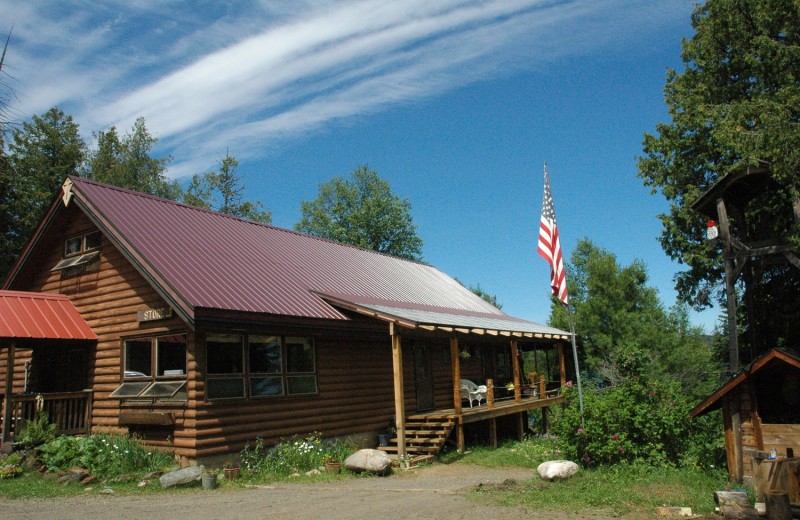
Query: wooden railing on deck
[71,412]
[535,391]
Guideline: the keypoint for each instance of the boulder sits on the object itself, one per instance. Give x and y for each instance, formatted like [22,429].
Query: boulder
[553,469]
[370,461]
[75,474]
[182,477]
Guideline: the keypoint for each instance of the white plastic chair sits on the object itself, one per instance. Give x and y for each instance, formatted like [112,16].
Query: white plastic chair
[472,392]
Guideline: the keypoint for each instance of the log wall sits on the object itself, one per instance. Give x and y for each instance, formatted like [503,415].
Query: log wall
[353,361]
[781,437]
[108,298]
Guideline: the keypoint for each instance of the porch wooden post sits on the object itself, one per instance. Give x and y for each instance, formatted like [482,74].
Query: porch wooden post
[561,361]
[456,364]
[493,432]
[7,412]
[489,393]
[515,364]
[399,391]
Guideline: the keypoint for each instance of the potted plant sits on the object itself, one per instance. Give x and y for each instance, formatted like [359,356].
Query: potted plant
[209,479]
[231,470]
[332,464]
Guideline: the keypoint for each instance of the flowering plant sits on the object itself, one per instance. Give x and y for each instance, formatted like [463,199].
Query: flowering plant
[10,471]
[229,464]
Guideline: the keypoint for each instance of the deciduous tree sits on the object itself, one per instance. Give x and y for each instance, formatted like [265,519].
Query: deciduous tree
[362,211]
[615,310]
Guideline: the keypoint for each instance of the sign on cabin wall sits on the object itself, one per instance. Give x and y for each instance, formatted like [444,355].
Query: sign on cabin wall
[161,313]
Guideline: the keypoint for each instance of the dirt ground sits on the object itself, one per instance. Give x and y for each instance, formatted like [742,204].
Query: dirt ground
[438,491]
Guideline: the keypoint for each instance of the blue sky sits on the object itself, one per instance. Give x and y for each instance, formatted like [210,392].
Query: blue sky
[457,103]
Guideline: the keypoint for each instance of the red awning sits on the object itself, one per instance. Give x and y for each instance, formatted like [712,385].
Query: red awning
[41,316]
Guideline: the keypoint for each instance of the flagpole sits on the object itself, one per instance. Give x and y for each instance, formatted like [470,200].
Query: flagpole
[549,248]
[575,358]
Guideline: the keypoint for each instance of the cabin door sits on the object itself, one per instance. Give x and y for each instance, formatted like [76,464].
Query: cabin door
[423,370]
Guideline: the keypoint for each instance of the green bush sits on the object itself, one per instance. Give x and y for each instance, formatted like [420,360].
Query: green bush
[294,455]
[639,420]
[38,431]
[104,455]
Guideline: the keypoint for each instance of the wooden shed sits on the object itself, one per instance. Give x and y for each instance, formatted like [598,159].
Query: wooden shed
[212,330]
[766,394]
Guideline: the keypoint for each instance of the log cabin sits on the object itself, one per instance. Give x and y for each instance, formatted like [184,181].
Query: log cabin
[763,450]
[199,332]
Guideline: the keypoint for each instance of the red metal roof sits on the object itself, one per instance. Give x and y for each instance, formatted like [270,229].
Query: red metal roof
[205,259]
[41,316]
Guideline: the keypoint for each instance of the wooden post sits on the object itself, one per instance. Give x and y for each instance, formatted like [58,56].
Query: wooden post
[490,393]
[399,391]
[777,503]
[542,388]
[493,432]
[562,363]
[7,412]
[517,380]
[521,425]
[456,364]
[533,377]
[727,247]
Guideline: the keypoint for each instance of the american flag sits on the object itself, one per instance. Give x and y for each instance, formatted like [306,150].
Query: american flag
[549,244]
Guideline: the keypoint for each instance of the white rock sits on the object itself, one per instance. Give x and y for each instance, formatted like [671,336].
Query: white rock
[372,461]
[557,469]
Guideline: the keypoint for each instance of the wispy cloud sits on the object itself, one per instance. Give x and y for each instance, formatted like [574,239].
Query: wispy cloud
[206,76]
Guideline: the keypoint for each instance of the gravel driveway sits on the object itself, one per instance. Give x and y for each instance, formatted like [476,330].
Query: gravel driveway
[438,491]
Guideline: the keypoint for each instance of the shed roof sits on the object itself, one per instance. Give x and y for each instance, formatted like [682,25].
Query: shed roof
[25,315]
[712,402]
[737,188]
[198,258]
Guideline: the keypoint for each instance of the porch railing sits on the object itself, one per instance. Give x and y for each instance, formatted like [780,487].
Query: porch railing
[71,412]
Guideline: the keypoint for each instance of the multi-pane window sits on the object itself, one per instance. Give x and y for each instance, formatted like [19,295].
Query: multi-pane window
[154,367]
[225,356]
[81,253]
[240,365]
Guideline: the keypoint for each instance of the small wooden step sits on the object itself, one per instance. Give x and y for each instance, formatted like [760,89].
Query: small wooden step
[427,425]
[411,449]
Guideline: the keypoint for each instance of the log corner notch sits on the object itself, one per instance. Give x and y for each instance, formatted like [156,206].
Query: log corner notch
[399,389]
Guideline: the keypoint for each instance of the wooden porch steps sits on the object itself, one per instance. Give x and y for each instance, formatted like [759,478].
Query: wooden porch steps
[425,435]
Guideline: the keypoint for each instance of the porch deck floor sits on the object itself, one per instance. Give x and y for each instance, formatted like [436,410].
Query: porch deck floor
[482,412]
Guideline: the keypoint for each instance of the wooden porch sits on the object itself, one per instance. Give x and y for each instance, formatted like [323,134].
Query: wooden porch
[427,432]
[71,412]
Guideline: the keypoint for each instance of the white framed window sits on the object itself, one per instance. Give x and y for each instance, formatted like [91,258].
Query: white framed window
[81,251]
[154,367]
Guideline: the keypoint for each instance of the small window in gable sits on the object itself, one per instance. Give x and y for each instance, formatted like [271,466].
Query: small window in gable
[73,246]
[81,254]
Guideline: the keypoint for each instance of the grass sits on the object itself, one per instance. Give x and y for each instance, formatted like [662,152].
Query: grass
[631,491]
[32,484]
[634,492]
